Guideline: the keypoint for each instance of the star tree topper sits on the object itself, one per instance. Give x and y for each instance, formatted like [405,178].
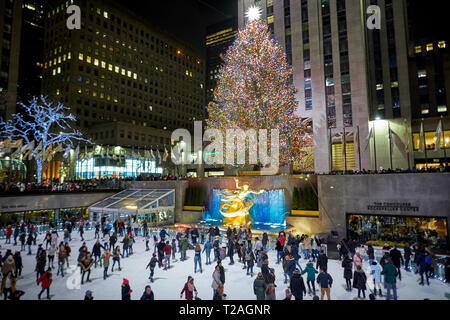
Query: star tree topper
[253,13]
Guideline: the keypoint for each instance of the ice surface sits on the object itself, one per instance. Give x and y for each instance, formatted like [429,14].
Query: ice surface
[168,284]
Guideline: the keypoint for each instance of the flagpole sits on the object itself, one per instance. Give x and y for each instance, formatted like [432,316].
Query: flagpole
[345,151]
[391,147]
[425,147]
[330,147]
[359,148]
[374,145]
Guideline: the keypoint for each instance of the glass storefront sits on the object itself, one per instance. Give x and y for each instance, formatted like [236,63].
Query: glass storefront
[378,230]
[43,216]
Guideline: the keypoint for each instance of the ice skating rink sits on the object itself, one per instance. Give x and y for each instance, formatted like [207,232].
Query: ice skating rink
[168,284]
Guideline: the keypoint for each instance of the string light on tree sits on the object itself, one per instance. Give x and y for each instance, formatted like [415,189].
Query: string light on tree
[255,91]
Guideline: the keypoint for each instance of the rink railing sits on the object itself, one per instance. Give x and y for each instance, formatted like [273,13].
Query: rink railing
[439,271]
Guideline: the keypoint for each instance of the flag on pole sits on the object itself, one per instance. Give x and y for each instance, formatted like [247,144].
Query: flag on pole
[152,154]
[67,153]
[147,154]
[77,152]
[406,138]
[438,136]
[158,154]
[343,140]
[166,154]
[391,145]
[368,139]
[422,139]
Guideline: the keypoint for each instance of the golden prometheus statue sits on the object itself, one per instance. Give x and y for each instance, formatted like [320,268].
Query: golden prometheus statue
[236,205]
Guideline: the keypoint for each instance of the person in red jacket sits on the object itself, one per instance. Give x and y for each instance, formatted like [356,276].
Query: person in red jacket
[167,254]
[8,234]
[46,281]
[283,240]
[189,289]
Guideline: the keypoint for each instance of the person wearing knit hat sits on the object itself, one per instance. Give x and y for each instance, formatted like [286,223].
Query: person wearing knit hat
[189,289]
[126,290]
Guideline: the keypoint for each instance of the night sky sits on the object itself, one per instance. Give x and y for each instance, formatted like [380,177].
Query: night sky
[428,19]
[185,19]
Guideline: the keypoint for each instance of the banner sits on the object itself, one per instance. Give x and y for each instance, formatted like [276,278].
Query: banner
[438,136]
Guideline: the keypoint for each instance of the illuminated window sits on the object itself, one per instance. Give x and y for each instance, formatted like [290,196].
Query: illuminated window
[105,14]
[422,74]
[80,57]
[135,76]
[123,72]
[380,86]
[269,19]
[69,56]
[430,47]
[59,59]
[102,95]
[88,59]
[57,92]
[442,109]
[96,62]
[442,44]
[64,57]
[117,69]
[110,67]
[430,140]
[103,64]
[99,11]
[94,94]
[394,84]
[425,109]
[59,69]
[129,74]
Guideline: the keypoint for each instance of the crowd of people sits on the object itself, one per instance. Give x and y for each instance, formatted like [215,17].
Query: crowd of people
[113,242]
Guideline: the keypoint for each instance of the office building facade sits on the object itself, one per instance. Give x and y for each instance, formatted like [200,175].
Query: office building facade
[127,82]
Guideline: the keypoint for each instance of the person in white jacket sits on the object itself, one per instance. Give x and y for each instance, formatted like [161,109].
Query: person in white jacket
[51,255]
[376,277]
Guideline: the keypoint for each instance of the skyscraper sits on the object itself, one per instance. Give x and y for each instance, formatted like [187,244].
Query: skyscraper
[127,82]
[218,38]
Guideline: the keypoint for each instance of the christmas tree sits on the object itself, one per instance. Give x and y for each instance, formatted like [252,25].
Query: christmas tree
[255,91]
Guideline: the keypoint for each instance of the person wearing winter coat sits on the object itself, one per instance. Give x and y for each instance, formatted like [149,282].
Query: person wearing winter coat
[216,280]
[8,285]
[207,248]
[197,257]
[231,251]
[390,278]
[112,241]
[279,248]
[152,265]
[174,248]
[422,266]
[377,278]
[270,292]
[291,267]
[184,245]
[61,259]
[307,247]
[371,253]
[359,282]
[407,256]
[265,270]
[86,264]
[249,257]
[357,261]
[325,281]
[40,264]
[125,242]
[18,264]
[259,287]
[285,265]
[397,260]
[189,289]
[148,294]
[160,248]
[51,255]
[297,284]
[22,239]
[88,296]
[105,259]
[45,280]
[97,252]
[322,261]
[222,272]
[311,278]
[167,253]
[265,240]
[9,265]
[126,290]
[347,264]
[116,258]
[30,240]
